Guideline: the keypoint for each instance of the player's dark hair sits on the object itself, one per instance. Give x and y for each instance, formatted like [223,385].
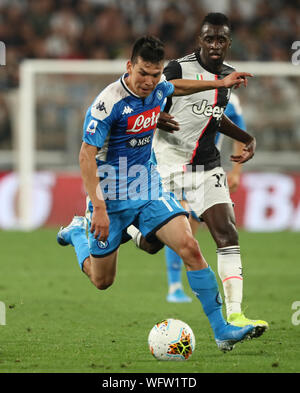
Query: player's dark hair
[149,48]
[216,18]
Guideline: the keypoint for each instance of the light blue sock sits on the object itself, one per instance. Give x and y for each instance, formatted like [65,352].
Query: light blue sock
[80,242]
[204,285]
[174,263]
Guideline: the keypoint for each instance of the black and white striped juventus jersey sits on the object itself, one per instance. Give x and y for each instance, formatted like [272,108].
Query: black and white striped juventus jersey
[199,116]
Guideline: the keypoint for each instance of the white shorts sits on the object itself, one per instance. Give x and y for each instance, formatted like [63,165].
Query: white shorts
[201,189]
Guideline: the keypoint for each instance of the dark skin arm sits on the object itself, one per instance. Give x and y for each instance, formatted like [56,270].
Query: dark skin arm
[185,87]
[228,128]
[167,123]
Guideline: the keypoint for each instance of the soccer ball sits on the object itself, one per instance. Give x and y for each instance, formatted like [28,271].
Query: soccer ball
[171,339]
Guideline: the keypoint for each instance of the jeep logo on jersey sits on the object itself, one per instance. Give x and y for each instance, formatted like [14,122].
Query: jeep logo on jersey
[208,110]
[143,122]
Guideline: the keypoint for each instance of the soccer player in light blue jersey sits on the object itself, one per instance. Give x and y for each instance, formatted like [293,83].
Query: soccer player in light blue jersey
[123,186]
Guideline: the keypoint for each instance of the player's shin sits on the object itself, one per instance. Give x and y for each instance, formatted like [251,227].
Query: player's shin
[230,272]
[80,243]
[174,263]
[204,285]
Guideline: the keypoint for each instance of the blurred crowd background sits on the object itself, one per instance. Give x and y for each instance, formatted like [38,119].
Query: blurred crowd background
[105,29]
[263,30]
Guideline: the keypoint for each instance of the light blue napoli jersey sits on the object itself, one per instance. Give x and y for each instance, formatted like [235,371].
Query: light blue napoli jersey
[121,125]
[234,112]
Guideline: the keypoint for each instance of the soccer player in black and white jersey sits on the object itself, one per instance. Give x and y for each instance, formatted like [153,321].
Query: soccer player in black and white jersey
[200,116]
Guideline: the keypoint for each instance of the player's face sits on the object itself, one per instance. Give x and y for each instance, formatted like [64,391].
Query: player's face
[143,76]
[214,43]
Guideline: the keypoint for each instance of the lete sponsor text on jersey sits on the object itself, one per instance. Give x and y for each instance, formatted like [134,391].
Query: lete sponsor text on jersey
[143,122]
[208,110]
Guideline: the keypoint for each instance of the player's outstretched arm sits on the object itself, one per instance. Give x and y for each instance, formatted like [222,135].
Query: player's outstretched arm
[88,168]
[185,87]
[227,127]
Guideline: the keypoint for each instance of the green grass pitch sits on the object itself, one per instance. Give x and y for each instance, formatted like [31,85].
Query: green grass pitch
[57,322]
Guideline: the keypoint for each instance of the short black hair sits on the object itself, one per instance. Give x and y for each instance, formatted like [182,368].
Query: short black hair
[149,48]
[216,18]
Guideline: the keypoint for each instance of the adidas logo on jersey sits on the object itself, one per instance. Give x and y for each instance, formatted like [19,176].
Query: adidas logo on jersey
[208,110]
[127,110]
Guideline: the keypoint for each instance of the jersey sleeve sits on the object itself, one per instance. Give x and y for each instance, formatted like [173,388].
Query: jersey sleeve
[167,87]
[98,121]
[94,131]
[173,70]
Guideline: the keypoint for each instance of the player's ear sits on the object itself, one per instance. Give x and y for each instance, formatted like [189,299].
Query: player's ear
[199,42]
[129,67]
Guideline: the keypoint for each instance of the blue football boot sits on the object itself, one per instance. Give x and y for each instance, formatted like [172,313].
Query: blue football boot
[64,234]
[230,335]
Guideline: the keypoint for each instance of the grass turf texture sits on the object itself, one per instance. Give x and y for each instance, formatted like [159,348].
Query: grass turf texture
[57,322]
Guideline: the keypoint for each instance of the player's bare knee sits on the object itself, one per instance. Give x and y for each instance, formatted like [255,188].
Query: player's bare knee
[102,283]
[190,252]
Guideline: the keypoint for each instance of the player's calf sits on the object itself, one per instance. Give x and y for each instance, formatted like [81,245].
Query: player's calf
[220,220]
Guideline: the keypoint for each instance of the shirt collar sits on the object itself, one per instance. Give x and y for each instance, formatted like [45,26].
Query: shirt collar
[126,87]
